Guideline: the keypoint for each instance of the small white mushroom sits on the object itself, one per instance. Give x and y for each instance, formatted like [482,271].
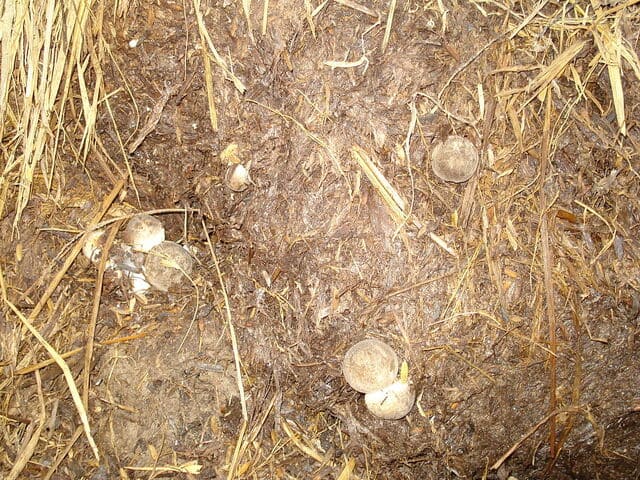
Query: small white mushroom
[237,177]
[167,266]
[93,245]
[392,402]
[370,365]
[455,160]
[143,232]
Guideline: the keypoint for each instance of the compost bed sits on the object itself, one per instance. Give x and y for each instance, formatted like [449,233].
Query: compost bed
[311,260]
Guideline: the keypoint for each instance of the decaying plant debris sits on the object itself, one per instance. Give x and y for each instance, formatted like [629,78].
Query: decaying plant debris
[513,297]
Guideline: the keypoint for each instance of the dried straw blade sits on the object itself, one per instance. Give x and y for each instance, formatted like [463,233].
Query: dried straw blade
[553,70]
[204,33]
[394,202]
[29,447]
[68,376]
[389,24]
[609,46]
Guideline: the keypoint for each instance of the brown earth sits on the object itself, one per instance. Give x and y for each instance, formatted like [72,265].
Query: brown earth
[312,262]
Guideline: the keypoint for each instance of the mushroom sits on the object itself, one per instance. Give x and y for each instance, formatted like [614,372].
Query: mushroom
[237,177]
[392,402]
[143,232]
[455,160]
[370,365]
[167,266]
[93,245]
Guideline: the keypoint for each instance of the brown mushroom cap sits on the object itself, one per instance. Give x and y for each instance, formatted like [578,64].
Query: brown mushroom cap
[370,365]
[392,402]
[455,160]
[167,266]
[143,232]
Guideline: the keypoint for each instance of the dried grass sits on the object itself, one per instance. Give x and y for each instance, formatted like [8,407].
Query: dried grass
[30,90]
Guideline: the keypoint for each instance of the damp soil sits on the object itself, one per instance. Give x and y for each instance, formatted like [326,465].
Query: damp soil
[311,261]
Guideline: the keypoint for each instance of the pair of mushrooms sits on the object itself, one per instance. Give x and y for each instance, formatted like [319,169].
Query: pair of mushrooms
[166,264]
[371,367]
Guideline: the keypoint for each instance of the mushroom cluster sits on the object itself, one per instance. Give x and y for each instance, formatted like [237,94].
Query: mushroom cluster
[371,367]
[144,257]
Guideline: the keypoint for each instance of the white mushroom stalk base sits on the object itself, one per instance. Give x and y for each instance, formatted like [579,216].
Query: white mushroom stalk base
[392,402]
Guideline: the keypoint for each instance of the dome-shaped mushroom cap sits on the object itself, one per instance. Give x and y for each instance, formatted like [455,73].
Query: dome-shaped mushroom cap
[167,266]
[392,402]
[370,365]
[143,232]
[455,160]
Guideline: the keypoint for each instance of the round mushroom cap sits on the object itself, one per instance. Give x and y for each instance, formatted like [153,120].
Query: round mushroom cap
[455,160]
[167,266]
[370,365]
[392,402]
[143,232]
